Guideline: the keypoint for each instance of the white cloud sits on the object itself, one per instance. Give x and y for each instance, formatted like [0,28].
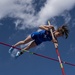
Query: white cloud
[54,8]
[18,24]
[24,12]
[67,17]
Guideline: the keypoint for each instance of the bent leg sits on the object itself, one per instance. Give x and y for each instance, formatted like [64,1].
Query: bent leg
[28,39]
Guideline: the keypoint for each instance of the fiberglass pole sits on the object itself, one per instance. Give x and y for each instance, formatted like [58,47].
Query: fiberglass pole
[58,54]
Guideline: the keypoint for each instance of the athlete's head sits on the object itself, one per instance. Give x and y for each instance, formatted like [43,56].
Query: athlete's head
[63,30]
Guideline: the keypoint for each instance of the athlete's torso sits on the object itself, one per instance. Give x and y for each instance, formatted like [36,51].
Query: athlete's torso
[45,35]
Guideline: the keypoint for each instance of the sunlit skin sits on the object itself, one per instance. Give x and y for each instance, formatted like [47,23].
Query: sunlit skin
[47,27]
[57,34]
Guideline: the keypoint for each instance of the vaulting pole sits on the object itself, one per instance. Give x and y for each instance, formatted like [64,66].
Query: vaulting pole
[58,54]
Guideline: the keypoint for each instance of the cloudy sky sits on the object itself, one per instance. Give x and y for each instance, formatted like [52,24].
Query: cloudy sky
[18,18]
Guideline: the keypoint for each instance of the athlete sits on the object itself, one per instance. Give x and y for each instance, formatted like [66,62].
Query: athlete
[44,35]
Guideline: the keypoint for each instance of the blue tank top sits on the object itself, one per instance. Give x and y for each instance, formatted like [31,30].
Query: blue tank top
[44,35]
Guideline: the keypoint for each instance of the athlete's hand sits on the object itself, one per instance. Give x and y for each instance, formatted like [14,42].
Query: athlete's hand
[56,45]
[54,41]
[51,27]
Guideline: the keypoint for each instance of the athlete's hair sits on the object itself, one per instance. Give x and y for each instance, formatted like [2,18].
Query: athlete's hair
[64,30]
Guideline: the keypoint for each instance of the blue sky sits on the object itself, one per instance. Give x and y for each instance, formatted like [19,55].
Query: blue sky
[18,19]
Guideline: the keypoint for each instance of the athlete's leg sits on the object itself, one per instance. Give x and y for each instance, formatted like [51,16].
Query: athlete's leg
[33,44]
[28,39]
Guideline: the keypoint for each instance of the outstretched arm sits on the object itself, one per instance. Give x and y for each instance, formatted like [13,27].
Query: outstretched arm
[47,27]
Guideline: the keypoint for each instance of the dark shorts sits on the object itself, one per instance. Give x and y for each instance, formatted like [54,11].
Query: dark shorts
[36,38]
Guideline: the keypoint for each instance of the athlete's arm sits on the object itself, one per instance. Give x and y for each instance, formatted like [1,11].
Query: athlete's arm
[47,27]
[55,41]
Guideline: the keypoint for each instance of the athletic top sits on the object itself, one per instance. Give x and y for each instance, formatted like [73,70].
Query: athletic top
[41,36]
